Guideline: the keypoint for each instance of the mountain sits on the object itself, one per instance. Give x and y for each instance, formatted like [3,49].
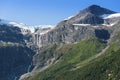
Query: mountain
[97,10]
[73,29]
[69,50]
[91,15]
[82,47]
[91,58]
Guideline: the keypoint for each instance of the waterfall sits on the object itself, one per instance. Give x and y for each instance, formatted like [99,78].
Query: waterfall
[29,67]
[15,78]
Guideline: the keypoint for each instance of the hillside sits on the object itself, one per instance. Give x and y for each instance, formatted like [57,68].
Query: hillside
[84,61]
[105,67]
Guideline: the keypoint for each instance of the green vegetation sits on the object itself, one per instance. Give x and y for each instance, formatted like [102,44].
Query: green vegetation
[72,55]
[106,67]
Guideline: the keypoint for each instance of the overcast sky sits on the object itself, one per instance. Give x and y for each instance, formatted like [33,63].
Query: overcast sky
[36,12]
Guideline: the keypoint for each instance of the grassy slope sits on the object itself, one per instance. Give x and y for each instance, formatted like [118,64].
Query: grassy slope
[106,67]
[73,55]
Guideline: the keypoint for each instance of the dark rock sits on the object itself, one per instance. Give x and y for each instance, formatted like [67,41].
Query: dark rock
[97,10]
[102,34]
[14,61]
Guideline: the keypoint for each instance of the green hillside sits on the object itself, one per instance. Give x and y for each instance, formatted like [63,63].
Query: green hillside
[73,55]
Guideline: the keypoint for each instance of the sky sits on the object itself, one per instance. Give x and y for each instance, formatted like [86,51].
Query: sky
[48,12]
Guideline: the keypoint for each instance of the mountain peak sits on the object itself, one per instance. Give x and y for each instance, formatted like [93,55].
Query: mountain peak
[91,15]
[94,6]
[98,10]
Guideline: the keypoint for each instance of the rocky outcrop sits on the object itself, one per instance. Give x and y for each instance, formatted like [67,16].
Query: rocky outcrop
[65,34]
[11,34]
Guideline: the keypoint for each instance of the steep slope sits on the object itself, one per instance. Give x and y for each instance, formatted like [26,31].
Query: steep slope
[71,57]
[14,60]
[15,56]
[77,63]
[106,67]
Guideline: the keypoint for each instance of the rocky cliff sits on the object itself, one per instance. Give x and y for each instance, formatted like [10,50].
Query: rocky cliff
[76,28]
[15,56]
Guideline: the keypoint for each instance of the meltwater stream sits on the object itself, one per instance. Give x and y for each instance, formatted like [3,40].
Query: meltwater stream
[16,78]
[29,67]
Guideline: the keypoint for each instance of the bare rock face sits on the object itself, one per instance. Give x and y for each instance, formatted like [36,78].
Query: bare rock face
[11,34]
[62,33]
[37,38]
[66,32]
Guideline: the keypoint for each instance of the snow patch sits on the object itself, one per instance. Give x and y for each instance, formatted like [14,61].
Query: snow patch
[113,16]
[105,15]
[81,24]
[43,31]
[44,26]
[41,27]
[24,28]
[69,18]
[112,24]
